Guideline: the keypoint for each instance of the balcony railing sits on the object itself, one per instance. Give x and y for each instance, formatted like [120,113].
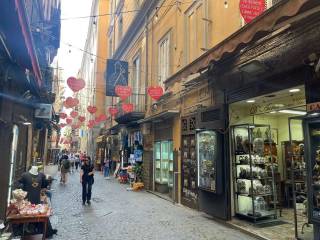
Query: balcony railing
[139,108]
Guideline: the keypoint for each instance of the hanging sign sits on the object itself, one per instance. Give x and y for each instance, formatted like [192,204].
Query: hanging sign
[74,114]
[116,74]
[127,107]
[71,102]
[81,118]
[69,121]
[75,84]
[250,9]
[91,109]
[63,115]
[113,111]
[155,92]
[123,91]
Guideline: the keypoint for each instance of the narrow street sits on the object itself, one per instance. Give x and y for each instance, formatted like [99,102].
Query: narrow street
[116,213]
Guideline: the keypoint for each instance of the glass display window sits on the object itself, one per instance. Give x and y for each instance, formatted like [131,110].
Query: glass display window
[164,162]
[207,157]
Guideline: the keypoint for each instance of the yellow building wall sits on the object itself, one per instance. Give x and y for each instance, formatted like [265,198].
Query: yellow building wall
[102,52]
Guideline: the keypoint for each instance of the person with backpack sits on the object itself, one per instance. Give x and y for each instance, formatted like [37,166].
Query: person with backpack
[86,179]
[65,168]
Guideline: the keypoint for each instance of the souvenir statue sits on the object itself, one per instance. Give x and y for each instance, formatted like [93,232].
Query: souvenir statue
[258,143]
[301,146]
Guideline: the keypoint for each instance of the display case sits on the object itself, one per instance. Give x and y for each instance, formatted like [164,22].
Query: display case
[254,167]
[207,158]
[163,162]
[312,153]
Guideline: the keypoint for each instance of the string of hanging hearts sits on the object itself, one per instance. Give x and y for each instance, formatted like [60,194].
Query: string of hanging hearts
[77,84]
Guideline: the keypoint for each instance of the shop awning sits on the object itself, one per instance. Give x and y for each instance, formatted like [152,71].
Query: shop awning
[160,116]
[256,29]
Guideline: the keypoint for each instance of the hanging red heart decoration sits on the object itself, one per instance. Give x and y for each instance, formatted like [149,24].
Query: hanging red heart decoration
[250,9]
[62,125]
[102,117]
[155,92]
[71,102]
[123,91]
[75,84]
[69,121]
[127,107]
[91,109]
[113,111]
[81,118]
[89,125]
[63,115]
[92,122]
[74,114]
[97,120]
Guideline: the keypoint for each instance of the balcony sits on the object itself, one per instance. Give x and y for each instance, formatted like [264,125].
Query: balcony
[138,113]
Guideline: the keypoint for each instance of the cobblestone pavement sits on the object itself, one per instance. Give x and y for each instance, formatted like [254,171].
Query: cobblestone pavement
[118,214]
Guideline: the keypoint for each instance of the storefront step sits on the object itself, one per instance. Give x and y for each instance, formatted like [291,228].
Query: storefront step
[161,195]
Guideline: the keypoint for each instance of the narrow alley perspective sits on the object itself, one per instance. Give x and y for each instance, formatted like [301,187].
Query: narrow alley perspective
[118,214]
[160,119]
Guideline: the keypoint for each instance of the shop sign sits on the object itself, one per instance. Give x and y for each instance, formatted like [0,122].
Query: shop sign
[269,107]
[75,84]
[43,111]
[250,9]
[123,91]
[311,107]
[116,74]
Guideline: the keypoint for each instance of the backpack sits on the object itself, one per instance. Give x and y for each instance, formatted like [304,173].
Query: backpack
[66,164]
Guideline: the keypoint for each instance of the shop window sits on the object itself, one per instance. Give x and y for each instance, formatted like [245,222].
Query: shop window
[13,157]
[164,162]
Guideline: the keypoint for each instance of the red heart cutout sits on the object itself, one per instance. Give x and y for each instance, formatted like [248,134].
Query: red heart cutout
[81,118]
[69,120]
[127,107]
[250,9]
[155,92]
[75,84]
[102,117]
[92,122]
[123,91]
[74,114]
[113,111]
[63,115]
[90,125]
[91,109]
[71,102]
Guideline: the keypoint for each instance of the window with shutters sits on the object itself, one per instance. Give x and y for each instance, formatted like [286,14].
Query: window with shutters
[164,59]
[196,30]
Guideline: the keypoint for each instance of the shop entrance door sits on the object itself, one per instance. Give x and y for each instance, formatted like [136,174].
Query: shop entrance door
[189,194]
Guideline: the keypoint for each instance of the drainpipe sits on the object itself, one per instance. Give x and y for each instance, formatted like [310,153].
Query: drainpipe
[146,70]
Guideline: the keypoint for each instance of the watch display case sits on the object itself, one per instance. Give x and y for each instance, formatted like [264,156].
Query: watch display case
[253,172]
[312,136]
[207,158]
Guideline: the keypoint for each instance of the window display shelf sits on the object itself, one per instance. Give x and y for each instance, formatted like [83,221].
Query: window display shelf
[253,173]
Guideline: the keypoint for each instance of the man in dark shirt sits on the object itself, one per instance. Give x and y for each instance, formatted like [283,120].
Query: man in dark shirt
[86,178]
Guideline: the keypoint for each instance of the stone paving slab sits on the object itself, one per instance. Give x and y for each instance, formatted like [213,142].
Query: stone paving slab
[118,214]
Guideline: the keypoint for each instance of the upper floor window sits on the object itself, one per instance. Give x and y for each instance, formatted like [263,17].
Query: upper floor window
[164,59]
[136,75]
[195,34]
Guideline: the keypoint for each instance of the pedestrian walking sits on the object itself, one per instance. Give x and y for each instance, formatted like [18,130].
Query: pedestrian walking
[72,162]
[65,168]
[106,169]
[86,179]
[77,161]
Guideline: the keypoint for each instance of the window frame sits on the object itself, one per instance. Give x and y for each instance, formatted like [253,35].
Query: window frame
[166,37]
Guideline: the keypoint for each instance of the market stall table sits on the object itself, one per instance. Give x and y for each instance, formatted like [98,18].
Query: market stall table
[39,218]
